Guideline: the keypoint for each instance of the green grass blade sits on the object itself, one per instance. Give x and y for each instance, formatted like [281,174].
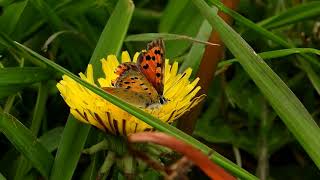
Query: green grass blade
[258,29]
[72,141]
[285,103]
[165,36]
[278,54]
[2,177]
[50,140]
[38,113]
[11,16]
[297,13]
[26,143]
[75,133]
[10,90]
[149,119]
[312,75]
[170,15]
[26,75]
[194,56]
[113,35]
[12,82]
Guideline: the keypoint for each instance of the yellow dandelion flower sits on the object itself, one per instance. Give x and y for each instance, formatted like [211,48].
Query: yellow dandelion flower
[90,108]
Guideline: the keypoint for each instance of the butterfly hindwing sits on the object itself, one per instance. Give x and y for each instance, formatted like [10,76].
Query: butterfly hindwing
[141,100]
[151,64]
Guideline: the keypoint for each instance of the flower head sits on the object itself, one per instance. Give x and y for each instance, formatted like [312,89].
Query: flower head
[88,107]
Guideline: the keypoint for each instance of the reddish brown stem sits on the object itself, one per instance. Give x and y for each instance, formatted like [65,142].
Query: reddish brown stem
[211,57]
[195,155]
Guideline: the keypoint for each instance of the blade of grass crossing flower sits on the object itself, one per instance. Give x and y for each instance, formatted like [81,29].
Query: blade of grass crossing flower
[26,143]
[75,133]
[285,103]
[149,119]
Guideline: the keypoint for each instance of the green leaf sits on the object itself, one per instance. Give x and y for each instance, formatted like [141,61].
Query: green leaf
[26,143]
[75,133]
[284,102]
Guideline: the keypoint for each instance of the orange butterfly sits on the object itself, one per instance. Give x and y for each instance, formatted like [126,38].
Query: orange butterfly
[141,83]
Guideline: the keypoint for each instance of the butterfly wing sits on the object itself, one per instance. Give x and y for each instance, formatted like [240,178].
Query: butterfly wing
[151,64]
[141,100]
[132,86]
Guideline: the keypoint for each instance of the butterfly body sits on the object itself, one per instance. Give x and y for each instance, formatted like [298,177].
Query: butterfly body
[141,83]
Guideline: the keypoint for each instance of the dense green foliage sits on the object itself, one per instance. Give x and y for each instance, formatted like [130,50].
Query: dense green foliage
[250,115]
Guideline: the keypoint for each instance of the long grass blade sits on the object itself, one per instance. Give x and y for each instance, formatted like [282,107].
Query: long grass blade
[278,54]
[165,36]
[26,143]
[298,13]
[285,103]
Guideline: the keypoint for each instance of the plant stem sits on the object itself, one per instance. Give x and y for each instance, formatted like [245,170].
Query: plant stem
[106,166]
[237,155]
[263,161]
[9,103]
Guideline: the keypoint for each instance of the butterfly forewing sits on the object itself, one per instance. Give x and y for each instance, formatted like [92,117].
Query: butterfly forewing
[151,64]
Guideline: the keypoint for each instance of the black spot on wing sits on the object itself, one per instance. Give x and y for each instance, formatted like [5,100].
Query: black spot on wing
[158,74]
[146,66]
